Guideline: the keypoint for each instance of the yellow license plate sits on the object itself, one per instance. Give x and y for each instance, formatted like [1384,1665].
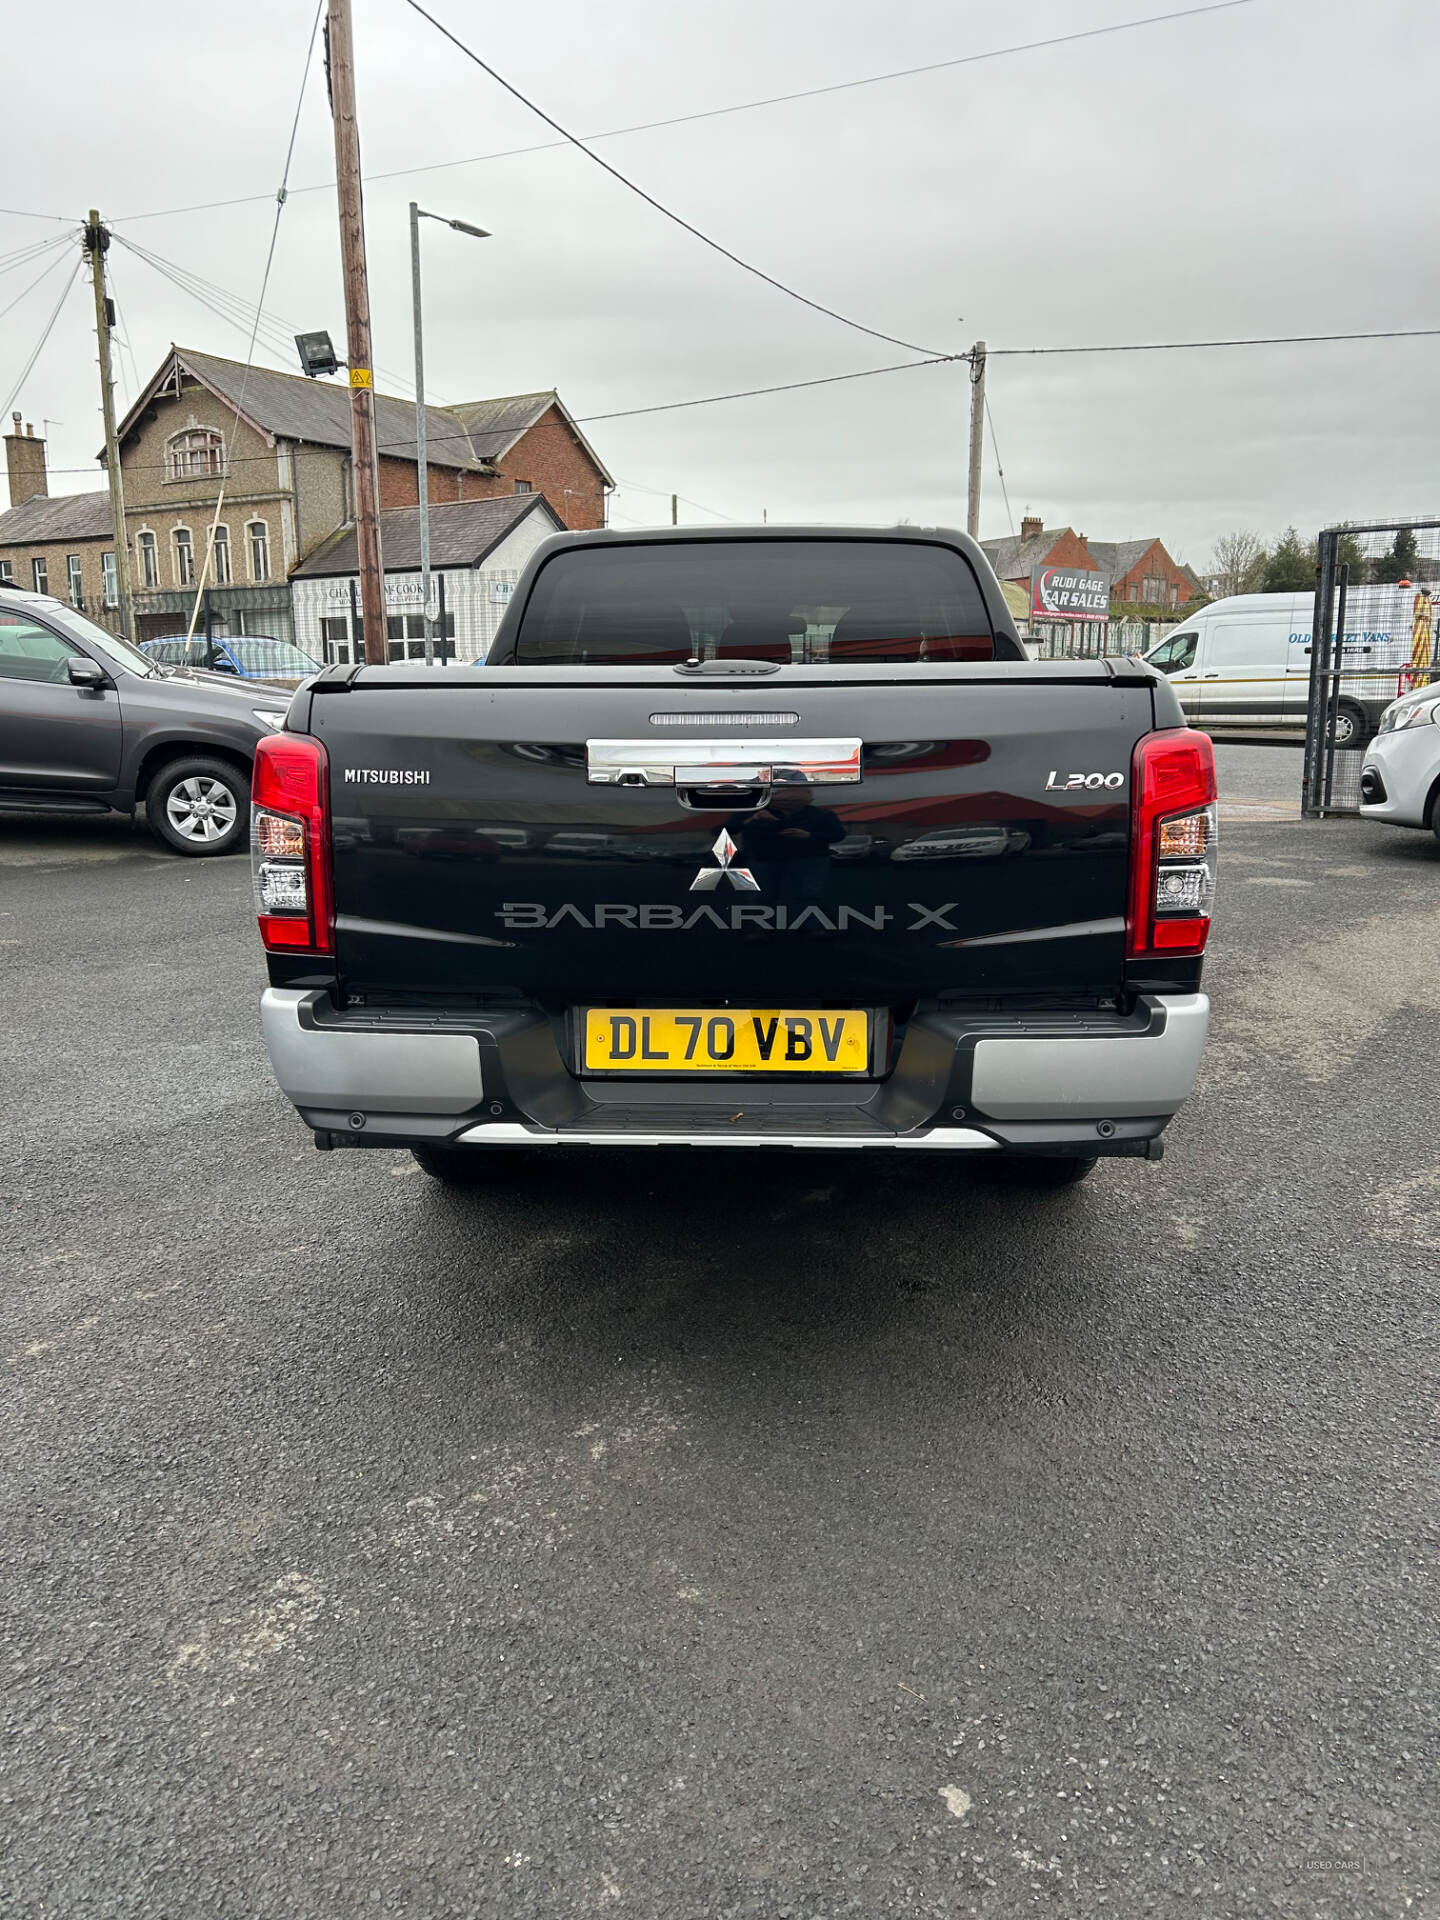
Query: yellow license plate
[735,1040]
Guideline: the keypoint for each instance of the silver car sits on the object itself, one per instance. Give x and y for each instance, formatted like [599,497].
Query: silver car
[1400,780]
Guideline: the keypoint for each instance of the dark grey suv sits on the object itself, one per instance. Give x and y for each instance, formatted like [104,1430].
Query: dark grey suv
[89,724]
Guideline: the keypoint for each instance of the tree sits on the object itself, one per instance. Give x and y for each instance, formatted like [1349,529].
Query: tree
[1289,565]
[1238,562]
[1401,561]
[1350,553]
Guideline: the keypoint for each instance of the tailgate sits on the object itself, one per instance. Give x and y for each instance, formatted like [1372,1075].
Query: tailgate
[982,851]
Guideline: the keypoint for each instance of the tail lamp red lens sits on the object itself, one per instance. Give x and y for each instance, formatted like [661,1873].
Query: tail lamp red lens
[290,844]
[1172,844]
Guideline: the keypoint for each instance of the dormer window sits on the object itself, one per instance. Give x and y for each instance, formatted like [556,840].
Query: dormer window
[198,452]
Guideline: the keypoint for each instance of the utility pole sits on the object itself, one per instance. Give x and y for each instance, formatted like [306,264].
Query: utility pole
[977,437]
[674,509]
[96,243]
[340,59]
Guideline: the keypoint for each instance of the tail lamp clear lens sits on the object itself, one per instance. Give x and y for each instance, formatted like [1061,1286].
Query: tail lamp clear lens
[1173,843]
[290,844]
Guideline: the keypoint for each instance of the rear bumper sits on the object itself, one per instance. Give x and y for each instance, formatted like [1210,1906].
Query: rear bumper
[1074,1083]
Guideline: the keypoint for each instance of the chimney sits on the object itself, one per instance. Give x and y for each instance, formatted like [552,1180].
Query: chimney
[1031,527]
[25,461]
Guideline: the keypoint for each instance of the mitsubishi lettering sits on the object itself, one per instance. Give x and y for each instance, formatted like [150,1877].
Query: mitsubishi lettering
[762,837]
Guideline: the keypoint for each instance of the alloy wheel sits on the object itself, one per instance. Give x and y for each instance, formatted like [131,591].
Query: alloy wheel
[201,809]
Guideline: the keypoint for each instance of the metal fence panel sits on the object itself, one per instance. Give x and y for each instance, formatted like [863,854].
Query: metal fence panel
[1372,638]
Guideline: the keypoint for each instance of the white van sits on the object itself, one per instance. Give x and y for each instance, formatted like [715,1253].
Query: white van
[1245,662]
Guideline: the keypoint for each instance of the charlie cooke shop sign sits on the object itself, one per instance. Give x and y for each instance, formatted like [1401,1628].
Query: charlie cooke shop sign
[1070,593]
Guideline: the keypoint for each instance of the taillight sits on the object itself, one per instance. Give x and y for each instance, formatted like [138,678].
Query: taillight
[290,844]
[1172,843]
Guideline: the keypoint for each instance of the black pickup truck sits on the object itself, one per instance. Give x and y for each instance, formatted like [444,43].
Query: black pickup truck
[763,837]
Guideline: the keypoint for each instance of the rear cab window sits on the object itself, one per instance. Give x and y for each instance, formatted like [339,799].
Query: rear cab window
[790,601]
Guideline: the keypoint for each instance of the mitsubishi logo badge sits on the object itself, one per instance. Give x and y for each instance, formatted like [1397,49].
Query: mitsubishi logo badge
[709,878]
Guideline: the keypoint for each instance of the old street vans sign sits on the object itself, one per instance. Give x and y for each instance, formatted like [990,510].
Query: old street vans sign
[1070,593]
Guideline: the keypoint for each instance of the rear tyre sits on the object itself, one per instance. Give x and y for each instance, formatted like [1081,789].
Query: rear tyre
[1352,730]
[454,1166]
[1036,1170]
[199,805]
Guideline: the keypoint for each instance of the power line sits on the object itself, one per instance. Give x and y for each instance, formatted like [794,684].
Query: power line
[666,493]
[280,342]
[22,256]
[905,366]
[217,300]
[1263,340]
[707,113]
[999,468]
[123,335]
[40,343]
[715,246]
[751,393]
[44,274]
[280,197]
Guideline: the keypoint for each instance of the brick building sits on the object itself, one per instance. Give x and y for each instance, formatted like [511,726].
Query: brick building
[1143,573]
[63,546]
[288,485]
[1035,547]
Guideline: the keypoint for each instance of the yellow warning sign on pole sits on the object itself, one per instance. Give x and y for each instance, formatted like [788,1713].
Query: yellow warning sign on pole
[361,377]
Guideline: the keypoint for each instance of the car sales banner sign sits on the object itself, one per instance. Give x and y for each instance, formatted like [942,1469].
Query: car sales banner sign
[1069,593]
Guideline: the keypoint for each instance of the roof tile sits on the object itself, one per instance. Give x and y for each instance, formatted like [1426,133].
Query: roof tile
[64,516]
[462,533]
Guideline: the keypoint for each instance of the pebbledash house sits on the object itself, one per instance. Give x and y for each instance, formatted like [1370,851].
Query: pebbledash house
[289,491]
[271,451]
[477,548]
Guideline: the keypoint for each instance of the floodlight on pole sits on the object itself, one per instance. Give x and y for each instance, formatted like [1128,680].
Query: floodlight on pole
[417,214]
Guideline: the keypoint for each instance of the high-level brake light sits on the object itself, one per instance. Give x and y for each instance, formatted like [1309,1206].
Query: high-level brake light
[290,844]
[1172,844]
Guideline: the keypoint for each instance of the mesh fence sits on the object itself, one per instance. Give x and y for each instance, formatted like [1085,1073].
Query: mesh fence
[1373,639]
[1091,639]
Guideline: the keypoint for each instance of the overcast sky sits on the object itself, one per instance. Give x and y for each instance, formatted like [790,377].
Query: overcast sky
[1267,169]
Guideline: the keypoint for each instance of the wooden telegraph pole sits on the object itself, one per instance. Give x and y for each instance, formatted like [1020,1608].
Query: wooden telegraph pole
[341,65]
[96,243]
[977,438]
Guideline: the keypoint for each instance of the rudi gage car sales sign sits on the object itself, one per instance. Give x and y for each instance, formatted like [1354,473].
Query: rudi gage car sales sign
[1070,593]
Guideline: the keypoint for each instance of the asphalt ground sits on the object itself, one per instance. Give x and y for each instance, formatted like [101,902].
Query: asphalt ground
[715,1536]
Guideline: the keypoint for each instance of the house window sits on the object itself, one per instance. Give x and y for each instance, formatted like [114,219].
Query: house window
[199,451]
[7,573]
[40,575]
[109,588]
[184,557]
[149,560]
[258,535]
[75,580]
[220,558]
[405,636]
[523,486]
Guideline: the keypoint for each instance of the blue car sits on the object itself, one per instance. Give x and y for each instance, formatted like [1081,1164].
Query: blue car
[248,656]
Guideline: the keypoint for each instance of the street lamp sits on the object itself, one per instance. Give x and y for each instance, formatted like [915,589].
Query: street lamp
[417,214]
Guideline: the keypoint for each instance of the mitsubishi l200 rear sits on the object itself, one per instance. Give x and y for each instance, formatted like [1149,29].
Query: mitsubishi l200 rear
[764,838]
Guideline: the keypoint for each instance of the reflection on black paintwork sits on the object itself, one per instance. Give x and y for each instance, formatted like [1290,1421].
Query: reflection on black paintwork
[984,840]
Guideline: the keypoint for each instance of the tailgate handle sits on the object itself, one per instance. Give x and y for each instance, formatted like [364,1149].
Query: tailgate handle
[722,763]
